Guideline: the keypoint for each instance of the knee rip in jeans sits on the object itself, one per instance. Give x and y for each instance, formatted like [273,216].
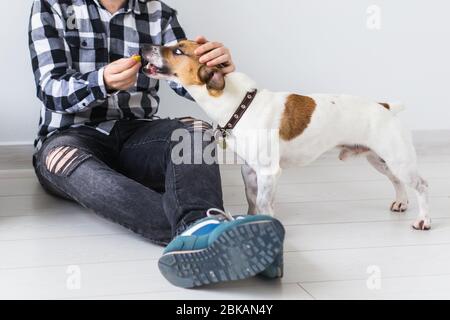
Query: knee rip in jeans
[64,160]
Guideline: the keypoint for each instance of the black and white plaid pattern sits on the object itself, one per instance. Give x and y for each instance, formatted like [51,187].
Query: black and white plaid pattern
[71,41]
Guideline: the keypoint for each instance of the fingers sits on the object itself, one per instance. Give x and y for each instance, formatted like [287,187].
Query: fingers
[221,59]
[127,74]
[213,54]
[216,53]
[121,74]
[201,40]
[207,47]
[122,65]
[220,56]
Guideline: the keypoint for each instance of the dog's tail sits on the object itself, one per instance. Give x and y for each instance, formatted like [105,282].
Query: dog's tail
[394,107]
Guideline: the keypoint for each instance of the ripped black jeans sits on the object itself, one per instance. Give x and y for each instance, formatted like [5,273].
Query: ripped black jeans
[130,176]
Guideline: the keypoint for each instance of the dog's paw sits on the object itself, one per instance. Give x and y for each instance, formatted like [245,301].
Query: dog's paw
[422,224]
[399,206]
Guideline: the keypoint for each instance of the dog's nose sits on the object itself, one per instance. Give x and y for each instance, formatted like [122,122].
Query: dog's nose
[149,48]
[148,52]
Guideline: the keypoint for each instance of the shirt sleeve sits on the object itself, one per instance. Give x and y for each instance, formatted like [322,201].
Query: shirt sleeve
[59,87]
[173,33]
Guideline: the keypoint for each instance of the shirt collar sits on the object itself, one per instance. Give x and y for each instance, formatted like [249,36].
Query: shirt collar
[132,5]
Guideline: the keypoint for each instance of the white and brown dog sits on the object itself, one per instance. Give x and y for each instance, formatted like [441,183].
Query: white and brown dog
[306,126]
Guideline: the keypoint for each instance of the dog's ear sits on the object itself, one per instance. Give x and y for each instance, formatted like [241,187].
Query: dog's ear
[213,78]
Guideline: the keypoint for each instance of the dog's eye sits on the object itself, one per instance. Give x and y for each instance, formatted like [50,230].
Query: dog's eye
[178,52]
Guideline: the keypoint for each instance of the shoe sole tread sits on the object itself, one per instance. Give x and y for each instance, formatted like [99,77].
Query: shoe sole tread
[237,254]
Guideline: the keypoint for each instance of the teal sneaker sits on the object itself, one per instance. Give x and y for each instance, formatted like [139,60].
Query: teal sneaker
[222,248]
[275,270]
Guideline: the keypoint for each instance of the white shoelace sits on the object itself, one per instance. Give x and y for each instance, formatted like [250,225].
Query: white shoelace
[214,212]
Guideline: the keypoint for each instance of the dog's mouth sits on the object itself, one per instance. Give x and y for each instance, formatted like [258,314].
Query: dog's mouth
[153,70]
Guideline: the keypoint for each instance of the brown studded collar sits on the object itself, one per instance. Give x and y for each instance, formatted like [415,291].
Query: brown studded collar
[237,115]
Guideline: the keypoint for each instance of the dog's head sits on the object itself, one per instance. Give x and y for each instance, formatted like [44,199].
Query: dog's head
[180,63]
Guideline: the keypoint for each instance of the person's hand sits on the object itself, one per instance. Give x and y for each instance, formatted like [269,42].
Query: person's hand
[213,54]
[121,74]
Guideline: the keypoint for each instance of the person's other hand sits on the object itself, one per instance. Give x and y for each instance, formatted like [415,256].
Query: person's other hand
[214,53]
[121,74]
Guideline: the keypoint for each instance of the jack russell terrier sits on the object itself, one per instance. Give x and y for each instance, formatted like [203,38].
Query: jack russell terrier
[306,127]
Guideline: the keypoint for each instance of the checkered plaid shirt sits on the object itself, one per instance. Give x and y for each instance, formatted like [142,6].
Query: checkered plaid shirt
[71,42]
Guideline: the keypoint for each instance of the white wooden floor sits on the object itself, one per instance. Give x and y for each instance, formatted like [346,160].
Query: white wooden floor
[336,216]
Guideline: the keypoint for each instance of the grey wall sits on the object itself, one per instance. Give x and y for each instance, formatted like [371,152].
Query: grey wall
[298,45]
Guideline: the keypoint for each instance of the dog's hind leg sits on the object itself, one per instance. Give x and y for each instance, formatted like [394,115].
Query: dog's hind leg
[401,201]
[400,157]
[410,176]
[251,187]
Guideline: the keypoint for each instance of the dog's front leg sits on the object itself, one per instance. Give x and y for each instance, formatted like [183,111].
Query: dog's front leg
[267,184]
[251,187]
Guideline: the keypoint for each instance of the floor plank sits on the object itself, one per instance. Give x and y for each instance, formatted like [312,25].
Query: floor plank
[75,250]
[360,171]
[264,291]
[352,211]
[15,157]
[53,226]
[353,264]
[338,191]
[32,205]
[130,280]
[407,288]
[364,235]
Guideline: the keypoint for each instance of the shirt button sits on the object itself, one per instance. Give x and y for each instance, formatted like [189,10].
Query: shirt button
[84,43]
